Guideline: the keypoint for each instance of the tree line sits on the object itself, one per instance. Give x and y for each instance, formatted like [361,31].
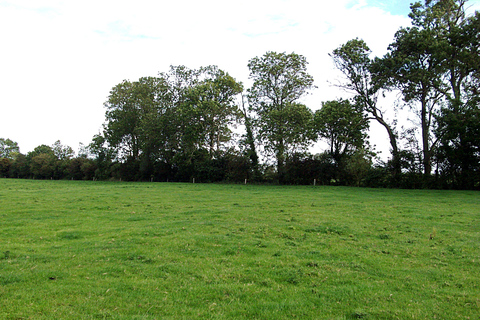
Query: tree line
[202,124]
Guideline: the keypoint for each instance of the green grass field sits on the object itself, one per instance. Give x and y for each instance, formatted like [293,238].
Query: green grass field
[105,250]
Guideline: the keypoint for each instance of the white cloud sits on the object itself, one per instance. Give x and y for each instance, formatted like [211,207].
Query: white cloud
[61,58]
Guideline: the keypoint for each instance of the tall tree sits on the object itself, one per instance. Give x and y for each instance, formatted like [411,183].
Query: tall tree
[430,62]
[284,125]
[209,109]
[136,125]
[168,122]
[412,67]
[353,60]
[249,141]
[343,125]
[437,60]
[123,120]
[459,121]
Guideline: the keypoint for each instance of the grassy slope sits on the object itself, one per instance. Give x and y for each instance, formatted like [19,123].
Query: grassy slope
[182,251]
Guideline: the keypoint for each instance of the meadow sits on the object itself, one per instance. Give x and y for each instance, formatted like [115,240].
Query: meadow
[112,250]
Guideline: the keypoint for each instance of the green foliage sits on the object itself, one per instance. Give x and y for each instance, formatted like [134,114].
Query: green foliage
[305,169]
[459,150]
[284,126]
[352,59]
[279,79]
[8,148]
[129,108]
[49,162]
[41,149]
[5,165]
[358,165]
[81,168]
[62,152]
[19,167]
[209,110]
[85,250]
[163,119]
[343,125]
[43,166]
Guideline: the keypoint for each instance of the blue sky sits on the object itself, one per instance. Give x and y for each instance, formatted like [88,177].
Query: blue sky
[59,59]
[395,7]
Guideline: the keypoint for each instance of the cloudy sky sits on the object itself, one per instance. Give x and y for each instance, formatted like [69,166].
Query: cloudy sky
[59,59]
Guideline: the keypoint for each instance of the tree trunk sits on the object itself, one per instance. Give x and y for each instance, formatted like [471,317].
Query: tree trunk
[427,166]
[396,166]
[250,140]
[281,162]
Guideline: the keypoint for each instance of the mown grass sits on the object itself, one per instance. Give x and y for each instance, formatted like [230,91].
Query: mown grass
[101,250]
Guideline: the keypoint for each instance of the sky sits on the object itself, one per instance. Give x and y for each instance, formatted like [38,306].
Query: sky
[60,59]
